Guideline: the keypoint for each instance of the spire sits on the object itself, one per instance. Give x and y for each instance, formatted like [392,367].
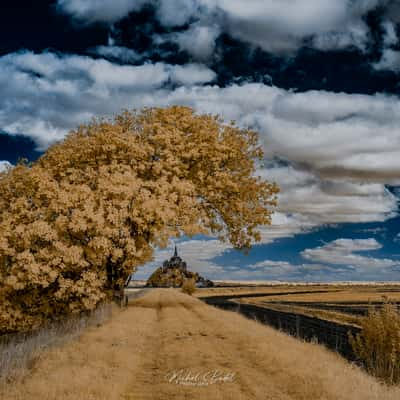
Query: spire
[176,252]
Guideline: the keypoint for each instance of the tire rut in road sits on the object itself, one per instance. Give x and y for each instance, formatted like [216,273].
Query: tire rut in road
[252,375]
[181,343]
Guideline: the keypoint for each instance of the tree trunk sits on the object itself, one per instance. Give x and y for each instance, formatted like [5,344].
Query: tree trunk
[113,283]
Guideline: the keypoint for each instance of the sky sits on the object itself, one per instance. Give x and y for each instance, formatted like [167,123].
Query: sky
[318,79]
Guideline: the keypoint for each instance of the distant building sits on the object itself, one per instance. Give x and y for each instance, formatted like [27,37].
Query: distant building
[173,273]
[174,262]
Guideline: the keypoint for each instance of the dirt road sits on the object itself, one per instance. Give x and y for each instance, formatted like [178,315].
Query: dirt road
[167,345]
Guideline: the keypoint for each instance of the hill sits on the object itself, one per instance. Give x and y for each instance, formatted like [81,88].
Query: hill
[174,277]
[174,272]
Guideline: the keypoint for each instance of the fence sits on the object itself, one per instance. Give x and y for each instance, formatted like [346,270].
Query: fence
[333,335]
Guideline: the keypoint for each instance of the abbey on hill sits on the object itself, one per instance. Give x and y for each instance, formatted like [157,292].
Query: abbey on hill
[174,272]
[174,262]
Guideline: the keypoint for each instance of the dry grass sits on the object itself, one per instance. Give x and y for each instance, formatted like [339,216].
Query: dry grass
[227,291]
[277,297]
[334,316]
[378,344]
[165,330]
[19,353]
[334,293]
[347,295]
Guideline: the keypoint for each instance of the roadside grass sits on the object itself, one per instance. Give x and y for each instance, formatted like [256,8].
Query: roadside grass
[20,352]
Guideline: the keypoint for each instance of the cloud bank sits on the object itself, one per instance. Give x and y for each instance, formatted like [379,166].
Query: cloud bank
[105,11]
[45,95]
[331,153]
[338,260]
[344,251]
[338,150]
[275,26]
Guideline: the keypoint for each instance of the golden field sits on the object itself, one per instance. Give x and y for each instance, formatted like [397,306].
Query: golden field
[296,292]
[305,299]
[133,355]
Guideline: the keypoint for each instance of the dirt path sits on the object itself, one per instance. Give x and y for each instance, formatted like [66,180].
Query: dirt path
[167,345]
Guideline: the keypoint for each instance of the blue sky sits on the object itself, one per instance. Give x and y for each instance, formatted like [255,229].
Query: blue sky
[320,83]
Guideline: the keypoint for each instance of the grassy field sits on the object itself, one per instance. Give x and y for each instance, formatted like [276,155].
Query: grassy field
[242,290]
[136,354]
[332,291]
[343,303]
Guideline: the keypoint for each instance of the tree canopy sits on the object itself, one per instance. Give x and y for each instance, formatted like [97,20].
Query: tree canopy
[76,223]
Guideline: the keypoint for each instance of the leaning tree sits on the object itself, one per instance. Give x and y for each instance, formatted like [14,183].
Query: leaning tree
[76,223]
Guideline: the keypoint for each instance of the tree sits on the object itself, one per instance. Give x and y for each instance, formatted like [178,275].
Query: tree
[78,221]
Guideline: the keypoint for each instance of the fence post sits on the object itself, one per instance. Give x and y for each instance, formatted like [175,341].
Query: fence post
[297,326]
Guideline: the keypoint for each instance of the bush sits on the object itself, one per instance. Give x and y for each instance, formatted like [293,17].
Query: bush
[378,344]
[189,286]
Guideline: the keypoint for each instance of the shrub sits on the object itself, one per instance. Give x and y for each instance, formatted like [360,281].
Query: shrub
[378,344]
[189,286]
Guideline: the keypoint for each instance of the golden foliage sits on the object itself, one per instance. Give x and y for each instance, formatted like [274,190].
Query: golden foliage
[189,286]
[378,344]
[87,213]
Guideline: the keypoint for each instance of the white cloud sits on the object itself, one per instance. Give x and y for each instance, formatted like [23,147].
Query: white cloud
[284,270]
[276,26]
[176,12]
[340,269]
[344,252]
[390,60]
[191,74]
[390,35]
[285,225]
[91,11]
[198,40]
[4,166]
[283,26]
[118,53]
[334,261]
[336,135]
[170,12]
[60,92]
[281,265]
[355,36]
[319,201]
